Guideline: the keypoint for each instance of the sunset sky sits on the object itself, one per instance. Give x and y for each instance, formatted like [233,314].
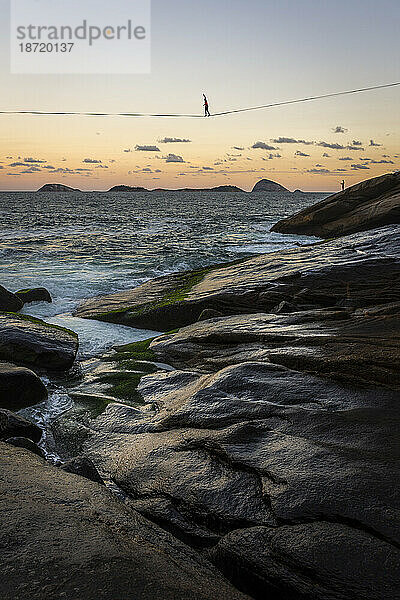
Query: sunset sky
[241,54]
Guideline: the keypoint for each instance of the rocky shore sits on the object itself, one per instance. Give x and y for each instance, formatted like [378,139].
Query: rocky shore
[252,450]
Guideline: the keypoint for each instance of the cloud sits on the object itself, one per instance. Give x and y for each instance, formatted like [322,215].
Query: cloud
[372,143]
[325,155]
[287,140]
[34,160]
[207,169]
[171,140]
[339,129]
[357,143]
[318,171]
[359,167]
[173,158]
[331,146]
[334,146]
[17,164]
[299,153]
[345,158]
[147,149]
[101,167]
[127,150]
[237,148]
[1,167]
[147,170]
[383,162]
[263,146]
[50,167]
[357,148]
[91,161]
[272,156]
[31,170]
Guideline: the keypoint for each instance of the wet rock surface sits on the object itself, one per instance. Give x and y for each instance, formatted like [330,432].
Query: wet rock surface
[34,295]
[13,425]
[369,204]
[9,301]
[363,345]
[22,442]
[257,445]
[265,434]
[79,541]
[360,268]
[34,343]
[316,560]
[19,387]
[82,466]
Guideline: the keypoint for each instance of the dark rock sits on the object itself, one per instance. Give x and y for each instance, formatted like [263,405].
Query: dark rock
[284,307]
[32,342]
[63,535]
[315,561]
[34,295]
[319,447]
[265,185]
[359,346]
[209,313]
[369,204]
[9,301]
[12,425]
[20,387]
[364,267]
[22,442]
[83,466]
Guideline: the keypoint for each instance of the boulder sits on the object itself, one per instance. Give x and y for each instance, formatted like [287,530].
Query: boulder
[34,295]
[9,301]
[22,442]
[20,387]
[65,536]
[12,425]
[32,342]
[362,268]
[367,205]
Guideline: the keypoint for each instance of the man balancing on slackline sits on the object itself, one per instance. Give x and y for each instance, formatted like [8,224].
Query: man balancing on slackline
[206,109]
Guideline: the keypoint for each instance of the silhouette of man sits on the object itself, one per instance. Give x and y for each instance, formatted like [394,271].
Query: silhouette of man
[343,185]
[206,109]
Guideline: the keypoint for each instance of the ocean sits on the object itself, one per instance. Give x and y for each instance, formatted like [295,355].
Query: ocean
[79,245]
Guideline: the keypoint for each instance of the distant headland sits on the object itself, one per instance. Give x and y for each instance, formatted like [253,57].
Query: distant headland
[265,185]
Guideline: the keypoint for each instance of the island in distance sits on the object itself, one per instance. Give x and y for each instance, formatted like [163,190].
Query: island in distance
[57,187]
[265,185]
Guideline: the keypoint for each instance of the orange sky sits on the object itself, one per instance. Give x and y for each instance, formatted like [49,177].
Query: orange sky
[233,59]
